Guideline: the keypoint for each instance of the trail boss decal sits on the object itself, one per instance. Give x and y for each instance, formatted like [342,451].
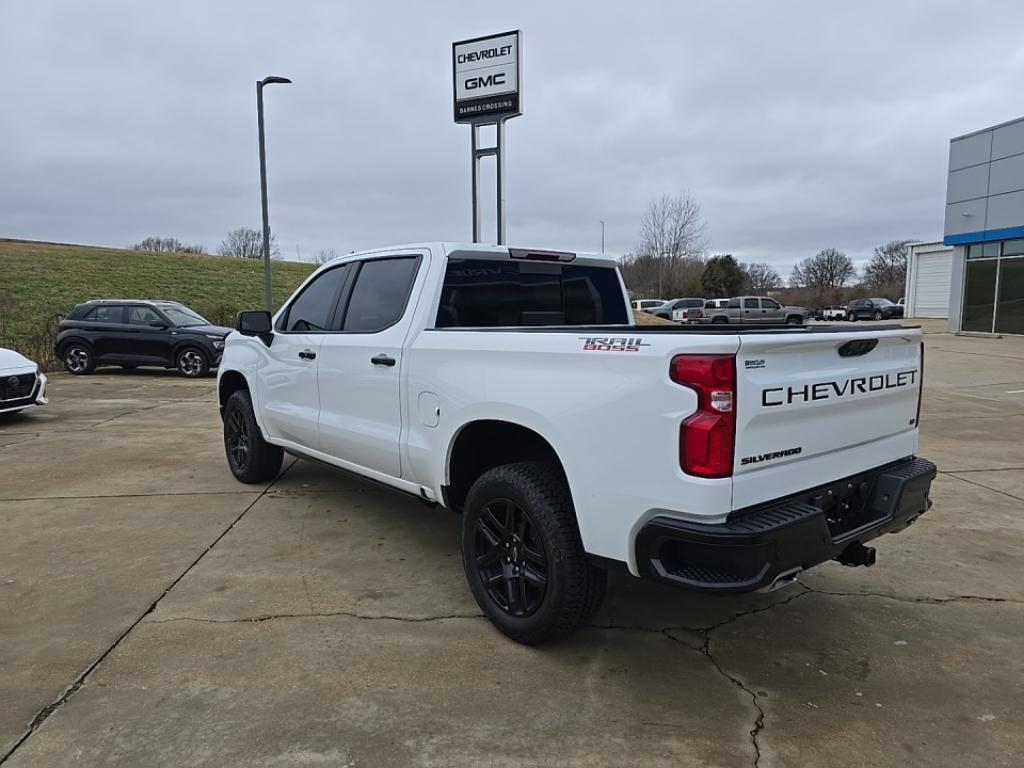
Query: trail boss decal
[827,390]
[771,456]
[612,343]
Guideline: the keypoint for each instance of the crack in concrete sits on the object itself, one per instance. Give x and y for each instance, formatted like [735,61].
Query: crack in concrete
[43,714]
[918,600]
[31,435]
[987,488]
[320,615]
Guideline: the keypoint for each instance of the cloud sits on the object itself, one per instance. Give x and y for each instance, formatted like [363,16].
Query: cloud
[798,126]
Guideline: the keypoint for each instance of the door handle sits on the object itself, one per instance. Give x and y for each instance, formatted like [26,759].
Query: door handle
[307,355]
[383,359]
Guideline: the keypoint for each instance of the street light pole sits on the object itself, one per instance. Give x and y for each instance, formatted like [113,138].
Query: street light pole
[268,296]
[602,236]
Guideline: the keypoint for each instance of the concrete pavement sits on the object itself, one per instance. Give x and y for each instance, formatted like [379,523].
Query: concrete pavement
[155,612]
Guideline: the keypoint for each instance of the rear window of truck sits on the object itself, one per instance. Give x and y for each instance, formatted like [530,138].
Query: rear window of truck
[483,293]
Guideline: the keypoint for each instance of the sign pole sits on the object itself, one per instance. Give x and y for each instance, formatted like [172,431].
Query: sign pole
[474,132]
[499,148]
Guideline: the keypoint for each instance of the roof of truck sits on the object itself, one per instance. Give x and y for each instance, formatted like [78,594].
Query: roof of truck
[485,249]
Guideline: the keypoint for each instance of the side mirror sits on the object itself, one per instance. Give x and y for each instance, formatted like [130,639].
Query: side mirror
[160,324]
[254,322]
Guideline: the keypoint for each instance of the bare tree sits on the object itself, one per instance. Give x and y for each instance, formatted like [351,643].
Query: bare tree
[669,259]
[324,255]
[825,272]
[762,278]
[165,245]
[887,269]
[672,227]
[246,243]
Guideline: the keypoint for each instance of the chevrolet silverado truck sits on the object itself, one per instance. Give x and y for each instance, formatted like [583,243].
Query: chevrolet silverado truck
[510,386]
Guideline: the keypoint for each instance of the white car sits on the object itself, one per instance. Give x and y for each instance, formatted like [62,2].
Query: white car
[21,383]
[646,305]
[511,386]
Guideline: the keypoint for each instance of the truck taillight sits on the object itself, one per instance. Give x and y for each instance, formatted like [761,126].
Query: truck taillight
[707,438]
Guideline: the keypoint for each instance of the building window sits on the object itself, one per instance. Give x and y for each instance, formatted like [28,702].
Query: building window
[1013,248]
[979,296]
[994,288]
[1010,307]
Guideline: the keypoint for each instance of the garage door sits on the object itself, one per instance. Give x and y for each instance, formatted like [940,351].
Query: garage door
[931,297]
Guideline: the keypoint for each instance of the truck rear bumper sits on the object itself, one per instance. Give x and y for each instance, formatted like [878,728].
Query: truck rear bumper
[756,547]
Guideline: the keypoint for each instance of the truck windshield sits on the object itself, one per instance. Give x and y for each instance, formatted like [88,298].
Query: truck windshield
[480,293]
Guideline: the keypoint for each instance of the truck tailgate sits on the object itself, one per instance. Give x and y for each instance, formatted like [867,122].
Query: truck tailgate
[820,407]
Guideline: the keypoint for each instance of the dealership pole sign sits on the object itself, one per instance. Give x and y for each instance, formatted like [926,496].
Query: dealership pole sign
[487,85]
[486,78]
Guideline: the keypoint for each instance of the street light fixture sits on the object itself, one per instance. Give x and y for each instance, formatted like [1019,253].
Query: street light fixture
[263,186]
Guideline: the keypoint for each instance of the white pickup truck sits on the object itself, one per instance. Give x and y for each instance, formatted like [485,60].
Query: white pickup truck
[511,386]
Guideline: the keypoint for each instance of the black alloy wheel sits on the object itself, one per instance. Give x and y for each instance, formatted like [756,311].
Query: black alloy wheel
[251,459]
[237,440]
[510,558]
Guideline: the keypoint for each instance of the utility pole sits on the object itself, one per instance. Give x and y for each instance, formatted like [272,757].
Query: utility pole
[268,296]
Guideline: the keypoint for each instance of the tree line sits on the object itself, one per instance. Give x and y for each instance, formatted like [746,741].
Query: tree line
[670,260]
[241,243]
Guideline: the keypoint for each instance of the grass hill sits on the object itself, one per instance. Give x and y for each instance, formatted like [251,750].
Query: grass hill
[41,281]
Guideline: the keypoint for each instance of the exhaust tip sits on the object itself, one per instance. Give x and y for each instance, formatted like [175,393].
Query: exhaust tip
[785,579]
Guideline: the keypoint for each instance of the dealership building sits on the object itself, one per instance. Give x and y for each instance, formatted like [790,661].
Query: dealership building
[981,257]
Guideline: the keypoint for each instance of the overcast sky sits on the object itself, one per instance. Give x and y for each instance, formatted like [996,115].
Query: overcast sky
[796,125]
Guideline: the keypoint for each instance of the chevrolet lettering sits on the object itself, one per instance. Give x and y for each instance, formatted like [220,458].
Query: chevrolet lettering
[774,396]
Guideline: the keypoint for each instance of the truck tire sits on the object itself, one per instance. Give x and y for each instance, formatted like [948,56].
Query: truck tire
[251,459]
[719,320]
[794,320]
[523,556]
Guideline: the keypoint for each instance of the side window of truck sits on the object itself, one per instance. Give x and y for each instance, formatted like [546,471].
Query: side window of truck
[770,304]
[490,293]
[380,294]
[733,304]
[313,308]
[750,303]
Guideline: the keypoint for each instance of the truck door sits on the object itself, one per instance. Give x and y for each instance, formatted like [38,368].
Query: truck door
[289,400]
[360,419]
[771,311]
[752,311]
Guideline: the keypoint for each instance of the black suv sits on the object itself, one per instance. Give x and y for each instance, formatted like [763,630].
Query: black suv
[131,333]
[879,309]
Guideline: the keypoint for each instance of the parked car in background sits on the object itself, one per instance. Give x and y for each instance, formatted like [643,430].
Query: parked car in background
[669,309]
[756,309]
[22,385]
[873,309]
[133,333]
[833,313]
[646,305]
